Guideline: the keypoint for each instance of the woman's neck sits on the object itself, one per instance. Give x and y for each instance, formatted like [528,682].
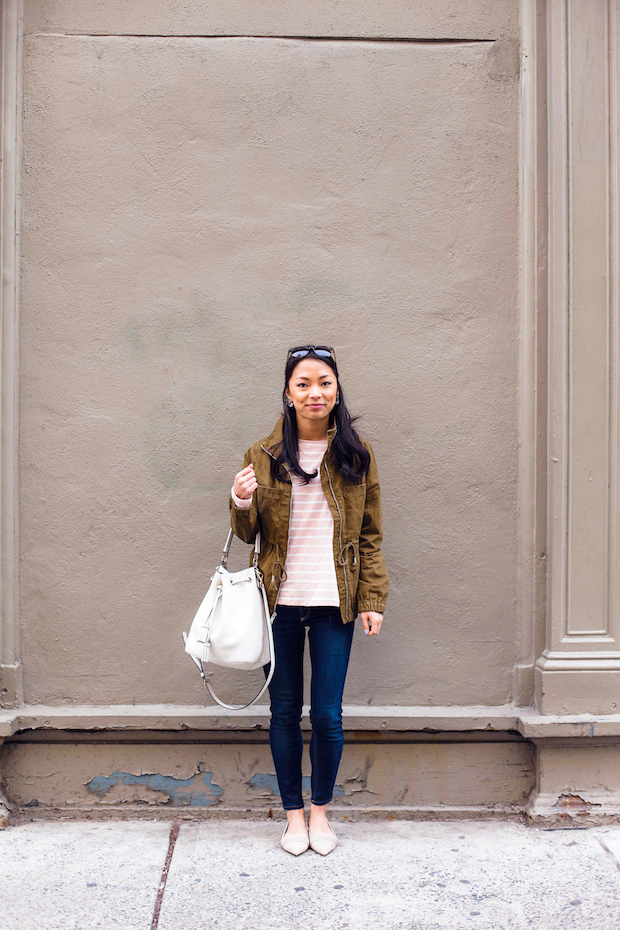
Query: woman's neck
[315,432]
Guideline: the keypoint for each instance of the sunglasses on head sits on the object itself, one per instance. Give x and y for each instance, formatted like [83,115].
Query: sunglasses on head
[320,351]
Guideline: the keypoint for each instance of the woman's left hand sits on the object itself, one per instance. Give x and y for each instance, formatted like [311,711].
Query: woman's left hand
[371,621]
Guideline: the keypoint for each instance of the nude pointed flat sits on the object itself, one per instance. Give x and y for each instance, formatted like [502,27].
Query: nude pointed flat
[294,843]
[323,843]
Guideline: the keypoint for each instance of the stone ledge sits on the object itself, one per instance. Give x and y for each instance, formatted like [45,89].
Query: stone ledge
[184,717]
[526,721]
[553,808]
[353,814]
[533,725]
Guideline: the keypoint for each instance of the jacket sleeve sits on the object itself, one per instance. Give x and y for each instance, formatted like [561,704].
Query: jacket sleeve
[244,520]
[372,589]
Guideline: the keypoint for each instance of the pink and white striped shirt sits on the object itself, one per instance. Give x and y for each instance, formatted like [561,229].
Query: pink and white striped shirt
[310,579]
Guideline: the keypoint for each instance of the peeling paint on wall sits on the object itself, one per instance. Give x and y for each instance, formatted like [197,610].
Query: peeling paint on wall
[181,791]
[267,782]
[236,778]
[574,804]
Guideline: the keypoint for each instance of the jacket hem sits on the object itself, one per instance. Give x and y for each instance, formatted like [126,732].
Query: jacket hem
[376,606]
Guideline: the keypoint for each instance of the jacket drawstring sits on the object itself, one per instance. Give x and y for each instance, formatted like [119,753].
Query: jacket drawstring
[341,554]
[278,564]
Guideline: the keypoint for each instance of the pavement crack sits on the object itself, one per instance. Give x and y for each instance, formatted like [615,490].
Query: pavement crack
[174,832]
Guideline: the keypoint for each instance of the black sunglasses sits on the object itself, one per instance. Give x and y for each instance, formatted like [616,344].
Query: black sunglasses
[320,351]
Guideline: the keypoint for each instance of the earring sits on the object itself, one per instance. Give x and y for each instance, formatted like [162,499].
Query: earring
[290,403]
[337,398]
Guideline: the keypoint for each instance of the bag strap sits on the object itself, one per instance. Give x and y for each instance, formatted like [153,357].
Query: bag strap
[228,544]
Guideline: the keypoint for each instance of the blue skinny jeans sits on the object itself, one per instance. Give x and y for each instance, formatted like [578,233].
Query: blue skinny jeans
[330,647]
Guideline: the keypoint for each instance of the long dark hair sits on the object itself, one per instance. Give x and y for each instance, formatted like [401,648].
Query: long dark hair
[347,451]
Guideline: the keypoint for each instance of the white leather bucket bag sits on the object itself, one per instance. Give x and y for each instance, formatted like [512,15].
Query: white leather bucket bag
[232,626]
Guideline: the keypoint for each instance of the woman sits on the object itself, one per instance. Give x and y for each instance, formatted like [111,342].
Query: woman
[312,487]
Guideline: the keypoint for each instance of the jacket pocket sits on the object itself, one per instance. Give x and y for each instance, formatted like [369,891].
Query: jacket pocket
[273,510]
[354,497]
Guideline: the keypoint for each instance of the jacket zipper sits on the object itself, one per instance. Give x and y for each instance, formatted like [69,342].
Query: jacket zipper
[288,532]
[344,571]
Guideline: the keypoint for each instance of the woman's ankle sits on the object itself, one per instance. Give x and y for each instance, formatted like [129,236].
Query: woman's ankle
[318,811]
[296,816]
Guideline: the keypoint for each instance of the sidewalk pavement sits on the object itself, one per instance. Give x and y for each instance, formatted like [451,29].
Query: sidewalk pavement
[153,875]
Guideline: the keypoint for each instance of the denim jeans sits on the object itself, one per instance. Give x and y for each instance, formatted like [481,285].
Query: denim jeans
[330,647]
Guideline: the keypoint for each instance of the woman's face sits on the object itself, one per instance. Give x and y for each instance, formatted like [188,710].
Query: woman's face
[312,388]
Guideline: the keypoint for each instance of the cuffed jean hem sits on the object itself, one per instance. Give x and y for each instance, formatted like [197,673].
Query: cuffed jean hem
[301,806]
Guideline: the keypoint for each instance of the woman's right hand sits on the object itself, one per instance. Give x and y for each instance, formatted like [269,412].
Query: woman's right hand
[245,483]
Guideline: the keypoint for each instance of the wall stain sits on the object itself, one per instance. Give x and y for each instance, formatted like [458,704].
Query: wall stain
[204,322]
[400,797]
[193,345]
[503,60]
[362,778]
[266,782]
[197,791]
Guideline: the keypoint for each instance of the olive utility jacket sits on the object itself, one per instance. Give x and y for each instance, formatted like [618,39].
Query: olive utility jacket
[356,508]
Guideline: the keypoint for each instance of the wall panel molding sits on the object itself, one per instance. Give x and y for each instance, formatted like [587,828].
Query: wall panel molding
[583,629]
[531,532]
[10,671]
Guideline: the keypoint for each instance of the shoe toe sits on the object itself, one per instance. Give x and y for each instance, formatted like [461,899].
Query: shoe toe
[323,843]
[295,847]
[295,843]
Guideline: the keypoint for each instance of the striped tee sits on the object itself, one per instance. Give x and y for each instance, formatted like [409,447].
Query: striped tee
[310,579]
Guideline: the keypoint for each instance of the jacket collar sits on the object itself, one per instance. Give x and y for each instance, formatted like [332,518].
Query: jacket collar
[276,435]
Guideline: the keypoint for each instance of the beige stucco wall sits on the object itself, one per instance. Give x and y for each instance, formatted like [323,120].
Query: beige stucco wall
[186,190]
[191,207]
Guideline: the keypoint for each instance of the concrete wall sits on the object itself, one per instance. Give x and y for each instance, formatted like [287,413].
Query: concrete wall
[193,205]
[225,779]
[187,190]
